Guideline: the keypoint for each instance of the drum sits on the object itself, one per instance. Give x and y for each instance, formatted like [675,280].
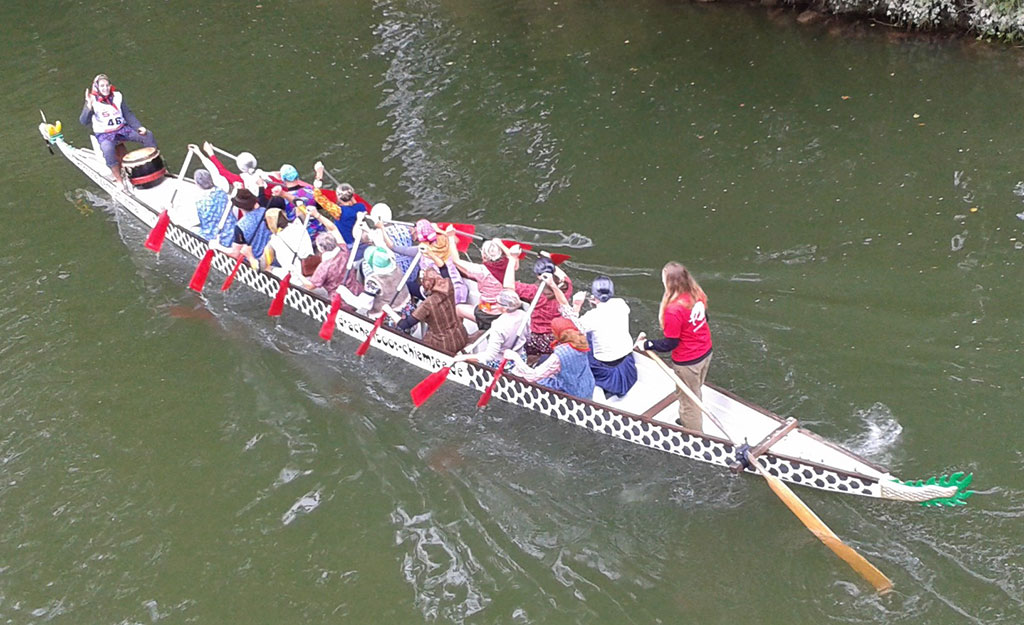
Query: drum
[144,167]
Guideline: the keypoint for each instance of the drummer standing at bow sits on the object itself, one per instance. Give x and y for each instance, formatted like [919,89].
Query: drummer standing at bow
[683,318]
[112,122]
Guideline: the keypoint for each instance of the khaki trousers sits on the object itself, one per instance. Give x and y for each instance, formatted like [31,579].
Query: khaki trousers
[693,377]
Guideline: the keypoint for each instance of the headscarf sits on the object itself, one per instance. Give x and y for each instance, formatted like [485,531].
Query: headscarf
[425,230]
[433,282]
[440,249]
[289,173]
[106,99]
[565,331]
[491,250]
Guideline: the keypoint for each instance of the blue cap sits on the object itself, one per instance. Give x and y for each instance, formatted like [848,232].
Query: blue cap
[289,173]
[602,288]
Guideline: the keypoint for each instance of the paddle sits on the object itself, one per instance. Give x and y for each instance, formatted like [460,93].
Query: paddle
[277,306]
[155,240]
[231,276]
[365,346]
[202,270]
[405,276]
[486,396]
[469,230]
[327,329]
[463,235]
[856,561]
[355,246]
[426,388]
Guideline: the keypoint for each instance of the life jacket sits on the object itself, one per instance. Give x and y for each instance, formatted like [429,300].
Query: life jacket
[107,117]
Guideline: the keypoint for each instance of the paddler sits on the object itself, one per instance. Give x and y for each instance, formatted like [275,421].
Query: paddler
[683,318]
[251,231]
[539,343]
[112,122]
[567,368]
[607,329]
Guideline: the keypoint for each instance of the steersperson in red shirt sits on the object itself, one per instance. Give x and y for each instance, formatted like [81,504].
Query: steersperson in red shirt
[683,318]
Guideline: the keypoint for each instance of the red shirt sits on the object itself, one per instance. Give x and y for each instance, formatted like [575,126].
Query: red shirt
[692,330]
[547,308]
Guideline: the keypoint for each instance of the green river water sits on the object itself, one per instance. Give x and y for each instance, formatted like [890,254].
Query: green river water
[849,203]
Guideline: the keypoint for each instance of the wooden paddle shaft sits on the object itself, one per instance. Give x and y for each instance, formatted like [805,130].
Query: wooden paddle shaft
[810,520]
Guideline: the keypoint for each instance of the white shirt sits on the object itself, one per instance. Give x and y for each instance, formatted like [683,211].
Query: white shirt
[290,245]
[503,335]
[609,322]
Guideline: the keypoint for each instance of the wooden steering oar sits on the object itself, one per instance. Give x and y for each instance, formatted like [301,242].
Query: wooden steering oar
[807,516]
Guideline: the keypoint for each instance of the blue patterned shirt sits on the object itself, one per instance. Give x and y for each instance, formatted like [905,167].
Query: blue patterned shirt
[210,209]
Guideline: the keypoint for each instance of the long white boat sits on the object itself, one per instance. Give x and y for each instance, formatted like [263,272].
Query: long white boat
[645,416]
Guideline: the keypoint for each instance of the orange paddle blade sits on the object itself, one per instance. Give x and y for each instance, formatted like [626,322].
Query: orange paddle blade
[202,270]
[277,305]
[422,391]
[486,396]
[155,240]
[327,330]
[365,346]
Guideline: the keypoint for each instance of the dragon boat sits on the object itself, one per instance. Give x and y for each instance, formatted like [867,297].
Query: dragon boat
[645,416]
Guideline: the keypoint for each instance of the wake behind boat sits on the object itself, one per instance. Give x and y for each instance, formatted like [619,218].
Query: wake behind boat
[645,416]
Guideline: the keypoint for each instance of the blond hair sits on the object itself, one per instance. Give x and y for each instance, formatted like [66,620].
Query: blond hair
[679,283]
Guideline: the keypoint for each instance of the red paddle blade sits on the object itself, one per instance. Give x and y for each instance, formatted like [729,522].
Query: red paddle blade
[486,397]
[362,349]
[231,276]
[327,330]
[422,391]
[277,305]
[462,235]
[202,270]
[155,240]
[558,259]
[331,194]
[360,200]
[526,247]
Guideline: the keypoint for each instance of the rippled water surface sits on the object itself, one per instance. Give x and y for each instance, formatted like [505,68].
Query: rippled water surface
[849,201]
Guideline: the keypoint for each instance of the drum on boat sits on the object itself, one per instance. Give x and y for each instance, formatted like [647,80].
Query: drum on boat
[144,167]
